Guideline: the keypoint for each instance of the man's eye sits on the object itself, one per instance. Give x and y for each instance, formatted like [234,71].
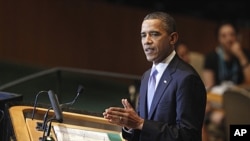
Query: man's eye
[143,35]
[155,34]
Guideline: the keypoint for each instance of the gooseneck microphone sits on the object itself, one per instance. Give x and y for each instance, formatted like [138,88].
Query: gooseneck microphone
[35,103]
[57,111]
[79,91]
[55,105]
[41,126]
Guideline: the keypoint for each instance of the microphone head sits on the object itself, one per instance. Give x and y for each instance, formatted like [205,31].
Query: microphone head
[80,89]
[55,105]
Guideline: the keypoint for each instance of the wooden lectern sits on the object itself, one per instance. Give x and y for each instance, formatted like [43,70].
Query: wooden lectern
[24,127]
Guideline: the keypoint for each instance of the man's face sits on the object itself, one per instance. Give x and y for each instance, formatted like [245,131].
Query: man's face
[227,37]
[155,40]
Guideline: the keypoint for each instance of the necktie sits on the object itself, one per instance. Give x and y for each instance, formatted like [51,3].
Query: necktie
[151,87]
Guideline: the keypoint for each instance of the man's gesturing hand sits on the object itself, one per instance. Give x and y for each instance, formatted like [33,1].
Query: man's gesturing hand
[126,116]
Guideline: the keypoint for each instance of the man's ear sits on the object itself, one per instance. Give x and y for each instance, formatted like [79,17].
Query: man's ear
[173,38]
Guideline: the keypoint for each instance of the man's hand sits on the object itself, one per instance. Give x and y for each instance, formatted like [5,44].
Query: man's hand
[126,117]
[236,50]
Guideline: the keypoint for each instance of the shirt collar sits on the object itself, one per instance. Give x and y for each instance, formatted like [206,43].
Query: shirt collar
[166,61]
[163,65]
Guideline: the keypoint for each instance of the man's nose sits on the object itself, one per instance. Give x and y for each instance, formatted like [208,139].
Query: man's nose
[148,40]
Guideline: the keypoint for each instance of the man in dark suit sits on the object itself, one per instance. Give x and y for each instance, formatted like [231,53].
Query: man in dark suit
[174,111]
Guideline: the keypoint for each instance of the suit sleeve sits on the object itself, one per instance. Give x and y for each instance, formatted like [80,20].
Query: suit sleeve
[132,135]
[190,109]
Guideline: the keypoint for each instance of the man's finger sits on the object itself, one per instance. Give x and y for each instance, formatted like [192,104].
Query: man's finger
[124,103]
[117,109]
[127,104]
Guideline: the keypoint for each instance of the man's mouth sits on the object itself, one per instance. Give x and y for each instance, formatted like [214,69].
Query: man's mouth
[149,50]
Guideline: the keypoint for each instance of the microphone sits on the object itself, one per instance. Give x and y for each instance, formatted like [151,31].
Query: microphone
[79,91]
[41,126]
[34,109]
[58,112]
[55,105]
[58,115]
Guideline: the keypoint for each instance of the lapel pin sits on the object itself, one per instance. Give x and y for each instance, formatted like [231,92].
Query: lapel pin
[165,81]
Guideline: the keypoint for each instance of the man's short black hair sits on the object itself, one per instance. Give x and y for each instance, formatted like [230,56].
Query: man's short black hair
[168,21]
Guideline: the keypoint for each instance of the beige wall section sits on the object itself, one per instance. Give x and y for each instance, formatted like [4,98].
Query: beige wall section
[197,61]
[85,34]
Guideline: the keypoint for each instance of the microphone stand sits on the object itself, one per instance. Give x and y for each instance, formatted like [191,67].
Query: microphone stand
[57,117]
[47,130]
[35,103]
[41,126]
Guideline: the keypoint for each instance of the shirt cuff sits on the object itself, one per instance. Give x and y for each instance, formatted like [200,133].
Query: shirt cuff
[130,131]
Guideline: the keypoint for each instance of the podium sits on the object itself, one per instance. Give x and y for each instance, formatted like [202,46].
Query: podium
[24,128]
[6,98]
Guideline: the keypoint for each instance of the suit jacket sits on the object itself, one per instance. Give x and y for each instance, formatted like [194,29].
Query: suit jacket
[178,107]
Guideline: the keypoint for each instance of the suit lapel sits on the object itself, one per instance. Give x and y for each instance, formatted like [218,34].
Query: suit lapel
[143,95]
[162,85]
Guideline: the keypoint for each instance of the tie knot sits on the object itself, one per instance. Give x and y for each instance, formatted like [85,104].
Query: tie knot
[154,71]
